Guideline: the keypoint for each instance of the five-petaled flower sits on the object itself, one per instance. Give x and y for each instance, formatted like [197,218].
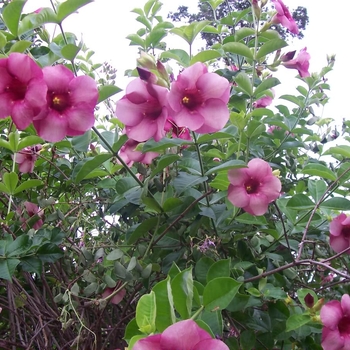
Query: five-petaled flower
[22,89]
[254,187]
[335,316]
[301,63]
[143,110]
[26,158]
[70,104]
[284,17]
[199,99]
[184,335]
[339,229]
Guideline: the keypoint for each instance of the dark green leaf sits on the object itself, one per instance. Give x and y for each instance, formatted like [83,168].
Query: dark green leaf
[8,268]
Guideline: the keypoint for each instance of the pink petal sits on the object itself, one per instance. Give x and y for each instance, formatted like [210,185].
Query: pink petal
[336,225]
[27,166]
[331,313]
[5,77]
[339,243]
[22,114]
[52,128]
[212,344]
[183,335]
[271,188]
[238,196]
[57,78]
[345,304]
[215,114]
[258,204]
[259,169]
[5,105]
[151,342]
[36,95]
[129,113]
[31,208]
[238,177]
[83,89]
[331,340]
[212,85]
[23,67]
[190,75]
[190,119]
[79,118]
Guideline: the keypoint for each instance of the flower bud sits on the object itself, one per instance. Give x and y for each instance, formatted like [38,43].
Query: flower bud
[318,305]
[147,61]
[309,300]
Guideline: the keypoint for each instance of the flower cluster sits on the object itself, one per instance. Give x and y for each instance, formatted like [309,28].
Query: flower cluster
[185,335]
[197,101]
[53,99]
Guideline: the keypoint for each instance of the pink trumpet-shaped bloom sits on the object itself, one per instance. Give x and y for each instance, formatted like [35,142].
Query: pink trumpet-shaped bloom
[284,17]
[26,158]
[70,104]
[143,110]
[301,63]
[22,89]
[264,101]
[31,210]
[129,154]
[199,99]
[339,229]
[253,188]
[335,316]
[184,335]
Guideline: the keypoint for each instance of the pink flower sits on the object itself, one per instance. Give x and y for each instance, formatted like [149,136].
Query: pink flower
[301,63]
[70,104]
[143,110]
[117,298]
[26,158]
[253,188]
[335,317]
[339,229]
[31,210]
[179,132]
[184,335]
[272,128]
[199,99]
[264,101]
[284,17]
[130,155]
[22,89]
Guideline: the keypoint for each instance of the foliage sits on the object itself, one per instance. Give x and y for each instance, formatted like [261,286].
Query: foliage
[163,236]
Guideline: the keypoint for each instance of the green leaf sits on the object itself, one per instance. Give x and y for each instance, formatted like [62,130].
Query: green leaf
[163,144]
[49,253]
[243,33]
[163,162]
[83,168]
[293,99]
[219,292]
[141,229]
[28,184]
[271,46]
[70,51]
[106,91]
[7,145]
[10,180]
[231,164]
[202,267]
[11,15]
[317,189]
[20,46]
[155,36]
[266,85]
[68,7]
[336,203]
[251,219]
[36,20]
[205,55]
[182,288]
[18,247]
[190,32]
[146,312]
[319,170]
[115,254]
[81,143]
[244,82]
[29,141]
[301,293]
[296,321]
[181,56]
[184,181]
[136,40]
[164,304]
[220,268]
[300,202]
[247,339]
[238,49]
[8,268]
[32,264]
[343,150]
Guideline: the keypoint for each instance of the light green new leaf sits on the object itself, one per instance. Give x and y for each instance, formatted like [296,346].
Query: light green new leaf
[271,46]
[182,288]
[10,180]
[190,32]
[319,170]
[244,82]
[68,7]
[20,46]
[29,141]
[238,49]
[146,311]
[296,321]
[343,150]
[219,292]
[36,20]
[70,51]
[205,55]
[180,56]
[12,14]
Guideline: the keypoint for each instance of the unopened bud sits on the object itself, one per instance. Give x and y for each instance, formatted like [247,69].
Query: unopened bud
[146,75]
[147,61]
[318,305]
[288,56]
[276,173]
[309,300]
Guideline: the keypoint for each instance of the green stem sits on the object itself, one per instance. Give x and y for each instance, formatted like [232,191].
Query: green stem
[194,316]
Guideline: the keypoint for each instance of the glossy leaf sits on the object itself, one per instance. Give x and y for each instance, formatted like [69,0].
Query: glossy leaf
[107,91]
[296,321]
[146,311]
[11,15]
[319,170]
[68,7]
[190,32]
[271,46]
[8,268]
[238,49]
[205,55]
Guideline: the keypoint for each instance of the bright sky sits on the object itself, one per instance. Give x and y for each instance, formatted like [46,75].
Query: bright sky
[104,24]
